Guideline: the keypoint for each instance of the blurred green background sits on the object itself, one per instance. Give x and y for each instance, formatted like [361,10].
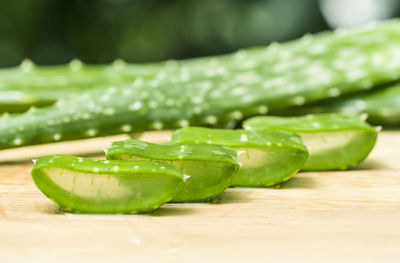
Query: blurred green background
[99,31]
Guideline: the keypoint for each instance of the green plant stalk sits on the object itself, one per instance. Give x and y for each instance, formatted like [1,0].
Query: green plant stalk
[267,158]
[98,186]
[221,91]
[208,169]
[381,105]
[334,141]
[31,85]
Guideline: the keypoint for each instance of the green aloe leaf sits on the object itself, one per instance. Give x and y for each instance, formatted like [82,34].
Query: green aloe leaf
[98,186]
[334,141]
[31,85]
[381,105]
[208,169]
[220,91]
[267,158]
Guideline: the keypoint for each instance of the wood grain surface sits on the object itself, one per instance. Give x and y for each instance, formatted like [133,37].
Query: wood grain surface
[349,216]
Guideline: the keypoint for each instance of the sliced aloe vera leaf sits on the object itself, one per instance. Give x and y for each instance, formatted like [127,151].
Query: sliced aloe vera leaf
[98,186]
[220,92]
[267,158]
[208,169]
[334,141]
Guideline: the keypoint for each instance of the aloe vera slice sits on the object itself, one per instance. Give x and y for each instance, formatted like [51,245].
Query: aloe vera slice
[220,91]
[334,141]
[98,186]
[208,169]
[267,158]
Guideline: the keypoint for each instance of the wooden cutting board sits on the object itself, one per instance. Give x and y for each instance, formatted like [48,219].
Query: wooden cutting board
[349,216]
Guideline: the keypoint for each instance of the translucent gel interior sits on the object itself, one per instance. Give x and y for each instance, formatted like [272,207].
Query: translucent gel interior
[322,142]
[266,166]
[336,150]
[88,185]
[203,179]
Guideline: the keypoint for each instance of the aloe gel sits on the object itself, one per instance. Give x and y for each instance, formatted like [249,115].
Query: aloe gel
[266,158]
[98,186]
[334,141]
[208,169]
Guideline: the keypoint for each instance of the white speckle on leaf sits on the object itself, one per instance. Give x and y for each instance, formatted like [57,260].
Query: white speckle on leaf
[299,100]
[237,115]
[118,64]
[135,106]
[17,141]
[126,128]
[316,125]
[360,105]
[263,109]
[244,138]
[26,65]
[57,136]
[157,125]
[334,92]
[211,119]
[183,123]
[91,132]
[364,116]
[108,111]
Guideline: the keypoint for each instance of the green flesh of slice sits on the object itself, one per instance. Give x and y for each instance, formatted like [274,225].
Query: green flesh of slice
[334,141]
[92,186]
[208,169]
[266,158]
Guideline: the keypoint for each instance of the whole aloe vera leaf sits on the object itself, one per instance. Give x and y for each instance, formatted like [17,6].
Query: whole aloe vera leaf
[32,85]
[208,169]
[231,88]
[334,141]
[382,106]
[98,186]
[267,158]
